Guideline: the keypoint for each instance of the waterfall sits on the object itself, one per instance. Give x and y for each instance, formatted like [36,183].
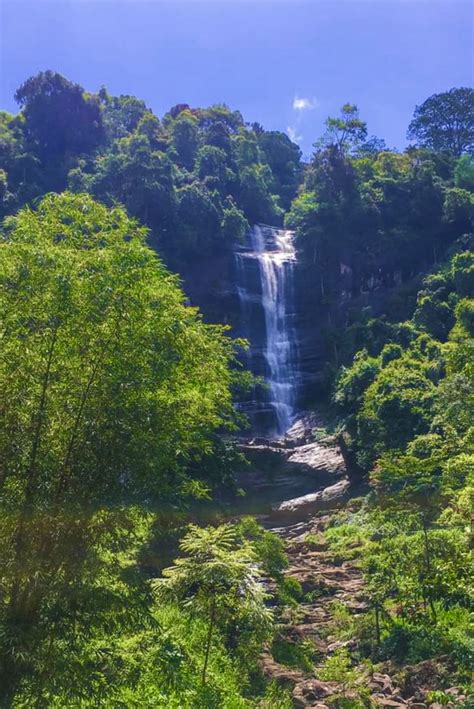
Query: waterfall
[268,288]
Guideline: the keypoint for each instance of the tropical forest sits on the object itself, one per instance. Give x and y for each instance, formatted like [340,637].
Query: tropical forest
[237,406]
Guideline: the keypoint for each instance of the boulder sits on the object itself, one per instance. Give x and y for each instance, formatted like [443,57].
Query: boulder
[303,507]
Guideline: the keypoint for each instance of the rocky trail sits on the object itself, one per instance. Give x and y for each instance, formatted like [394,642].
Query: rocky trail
[332,587]
[329,582]
[311,564]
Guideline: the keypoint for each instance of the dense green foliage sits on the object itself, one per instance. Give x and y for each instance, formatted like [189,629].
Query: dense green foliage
[195,178]
[220,578]
[114,394]
[111,387]
[404,396]
[391,394]
[445,122]
[384,214]
[408,415]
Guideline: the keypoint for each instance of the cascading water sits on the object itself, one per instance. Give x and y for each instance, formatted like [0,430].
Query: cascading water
[272,250]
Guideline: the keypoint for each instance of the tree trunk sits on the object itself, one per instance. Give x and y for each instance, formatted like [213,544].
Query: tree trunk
[62,478]
[19,535]
[31,473]
[428,565]
[354,470]
[377,624]
[209,639]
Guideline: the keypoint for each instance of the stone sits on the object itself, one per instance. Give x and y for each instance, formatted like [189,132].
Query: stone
[313,689]
[318,457]
[383,680]
[260,441]
[303,507]
[418,679]
[338,644]
[276,474]
[383,701]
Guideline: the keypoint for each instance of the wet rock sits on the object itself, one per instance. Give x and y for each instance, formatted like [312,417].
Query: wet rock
[263,456]
[260,441]
[276,473]
[317,458]
[304,426]
[306,505]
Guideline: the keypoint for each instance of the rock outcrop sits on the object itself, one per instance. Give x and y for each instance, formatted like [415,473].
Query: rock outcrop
[290,478]
[323,296]
[306,505]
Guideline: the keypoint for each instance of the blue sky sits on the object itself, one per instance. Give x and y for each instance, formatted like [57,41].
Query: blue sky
[285,63]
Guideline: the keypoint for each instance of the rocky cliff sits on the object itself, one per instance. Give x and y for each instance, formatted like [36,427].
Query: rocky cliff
[323,297]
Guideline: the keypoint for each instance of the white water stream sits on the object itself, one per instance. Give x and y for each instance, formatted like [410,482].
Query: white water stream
[275,252]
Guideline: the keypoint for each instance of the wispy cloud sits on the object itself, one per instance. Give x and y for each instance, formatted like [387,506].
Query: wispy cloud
[293,134]
[301,103]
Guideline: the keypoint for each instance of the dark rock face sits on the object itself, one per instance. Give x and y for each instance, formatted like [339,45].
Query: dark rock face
[322,297]
[212,285]
[209,283]
[252,290]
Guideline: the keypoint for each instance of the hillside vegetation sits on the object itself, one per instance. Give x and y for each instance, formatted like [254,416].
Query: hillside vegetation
[117,400]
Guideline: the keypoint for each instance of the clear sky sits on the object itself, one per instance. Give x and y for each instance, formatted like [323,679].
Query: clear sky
[285,63]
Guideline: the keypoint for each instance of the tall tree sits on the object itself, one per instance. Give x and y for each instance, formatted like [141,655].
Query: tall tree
[218,577]
[346,132]
[110,385]
[445,122]
[59,116]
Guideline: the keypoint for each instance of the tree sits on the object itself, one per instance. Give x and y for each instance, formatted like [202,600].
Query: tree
[411,486]
[445,122]
[284,157]
[185,138]
[59,116]
[347,132]
[219,578]
[459,209]
[116,149]
[211,165]
[433,315]
[234,225]
[397,404]
[138,177]
[464,173]
[254,196]
[110,386]
[198,220]
[90,311]
[121,114]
